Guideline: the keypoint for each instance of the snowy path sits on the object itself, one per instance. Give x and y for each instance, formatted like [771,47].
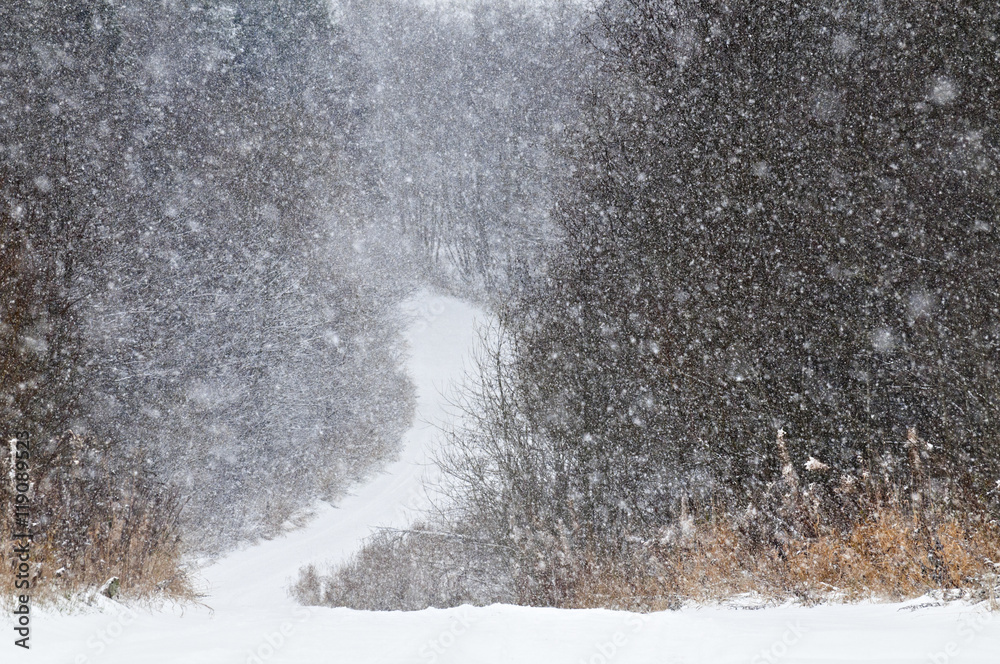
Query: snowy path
[251,620]
[441,339]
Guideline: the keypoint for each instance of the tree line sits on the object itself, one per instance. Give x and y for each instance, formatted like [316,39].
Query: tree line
[780,226]
[179,268]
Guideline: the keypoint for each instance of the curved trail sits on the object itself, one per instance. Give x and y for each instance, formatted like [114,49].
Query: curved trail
[441,337]
[247,617]
[245,603]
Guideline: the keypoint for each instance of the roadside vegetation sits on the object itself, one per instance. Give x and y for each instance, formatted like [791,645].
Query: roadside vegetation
[776,216]
[95,522]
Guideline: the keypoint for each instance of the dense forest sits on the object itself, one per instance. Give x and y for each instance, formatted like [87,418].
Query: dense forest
[763,355]
[211,212]
[178,219]
[740,257]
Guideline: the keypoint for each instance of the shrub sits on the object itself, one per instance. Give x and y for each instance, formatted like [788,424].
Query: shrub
[95,515]
[412,570]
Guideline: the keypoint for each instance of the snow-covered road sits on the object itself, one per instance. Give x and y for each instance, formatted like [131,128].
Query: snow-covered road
[441,338]
[248,618]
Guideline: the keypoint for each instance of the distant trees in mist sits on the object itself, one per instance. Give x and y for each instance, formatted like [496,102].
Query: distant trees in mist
[210,211]
[468,109]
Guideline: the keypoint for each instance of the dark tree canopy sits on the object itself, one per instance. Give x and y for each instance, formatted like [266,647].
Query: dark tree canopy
[786,216]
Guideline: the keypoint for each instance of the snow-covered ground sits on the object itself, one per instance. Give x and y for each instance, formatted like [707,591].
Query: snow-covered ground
[248,618]
[441,338]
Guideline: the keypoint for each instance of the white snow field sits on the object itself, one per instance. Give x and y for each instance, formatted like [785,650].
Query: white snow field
[247,617]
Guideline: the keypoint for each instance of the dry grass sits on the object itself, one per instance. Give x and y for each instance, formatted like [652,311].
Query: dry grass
[889,557]
[906,526]
[893,557]
[889,535]
[93,520]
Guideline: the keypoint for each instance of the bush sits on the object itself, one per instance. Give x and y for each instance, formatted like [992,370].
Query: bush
[909,523]
[893,532]
[94,516]
[412,570]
